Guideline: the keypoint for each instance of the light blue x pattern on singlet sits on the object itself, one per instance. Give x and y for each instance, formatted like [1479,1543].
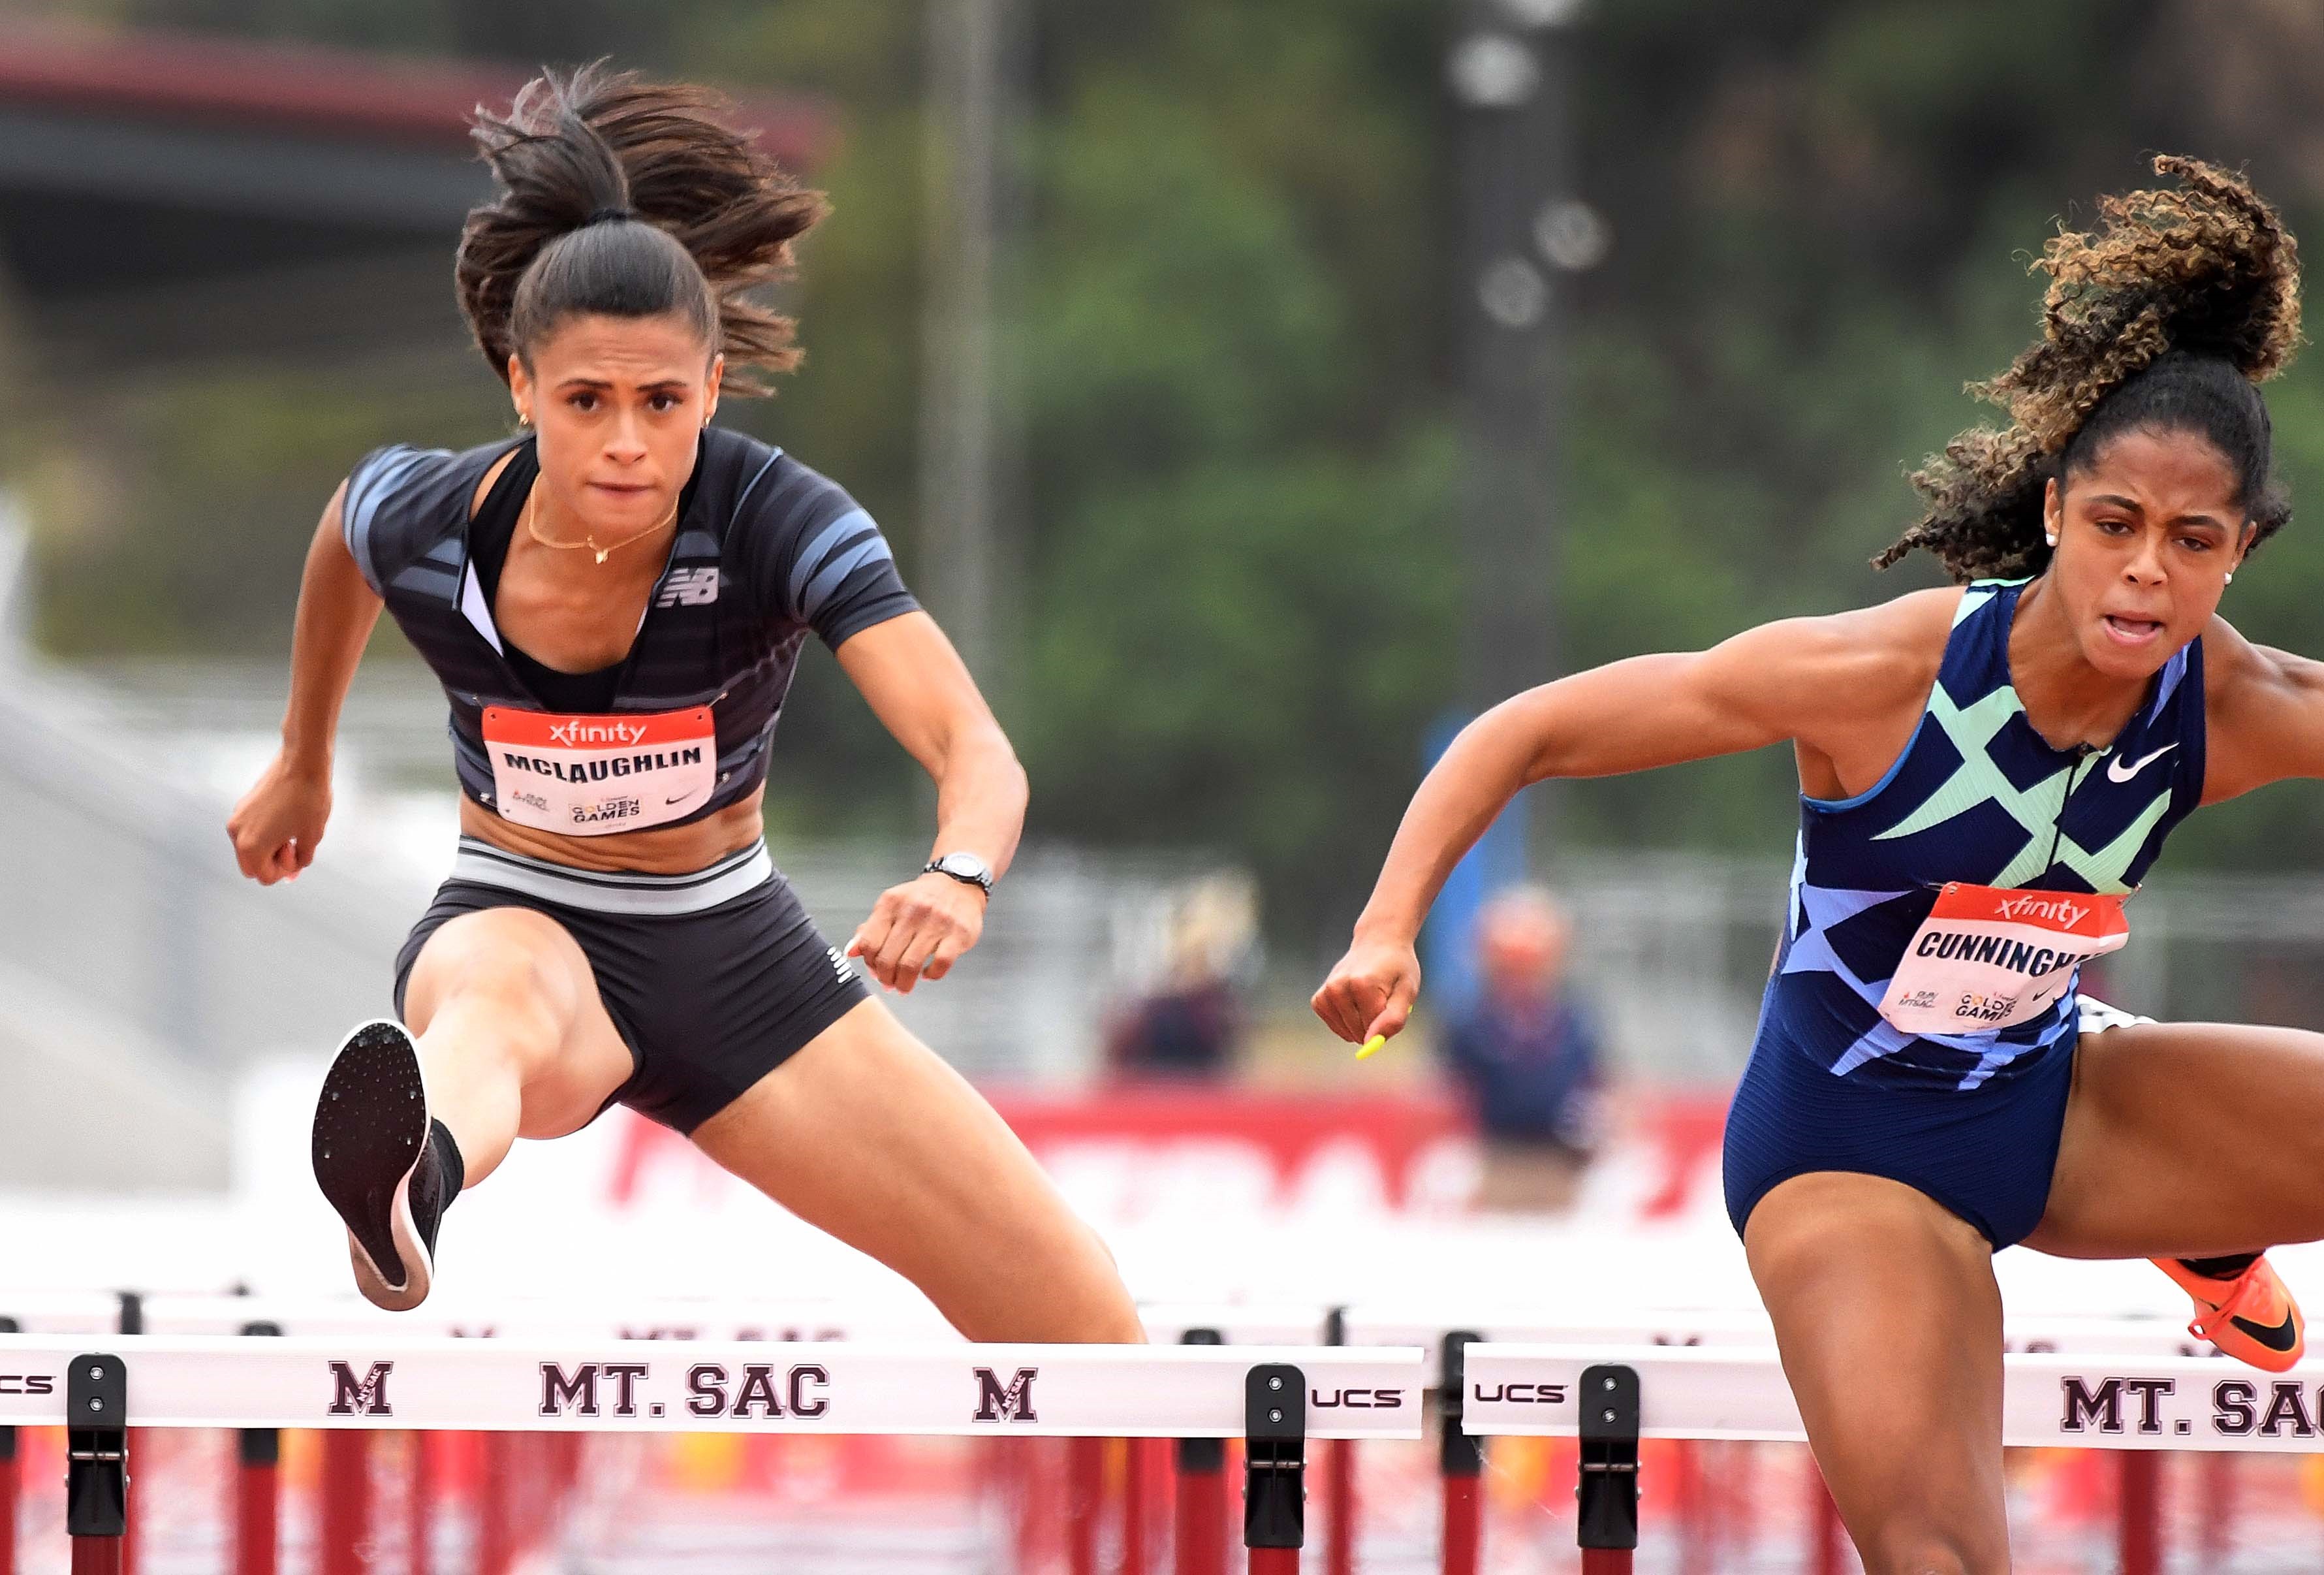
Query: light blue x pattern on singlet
[1976,796]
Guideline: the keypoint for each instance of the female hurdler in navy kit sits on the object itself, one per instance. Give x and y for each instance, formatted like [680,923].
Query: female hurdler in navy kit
[1987,773]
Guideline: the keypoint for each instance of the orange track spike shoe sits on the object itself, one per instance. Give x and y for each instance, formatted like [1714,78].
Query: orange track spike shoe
[2250,1316]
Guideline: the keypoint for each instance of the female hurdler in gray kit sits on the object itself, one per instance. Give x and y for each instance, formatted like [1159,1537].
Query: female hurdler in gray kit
[616,601]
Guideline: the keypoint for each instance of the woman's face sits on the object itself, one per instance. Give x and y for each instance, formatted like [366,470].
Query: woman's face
[2146,536]
[619,404]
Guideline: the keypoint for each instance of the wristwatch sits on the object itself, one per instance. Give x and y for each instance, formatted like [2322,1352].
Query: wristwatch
[965,868]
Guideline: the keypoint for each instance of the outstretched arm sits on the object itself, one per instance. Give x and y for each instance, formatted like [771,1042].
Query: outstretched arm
[921,691]
[1808,680]
[279,822]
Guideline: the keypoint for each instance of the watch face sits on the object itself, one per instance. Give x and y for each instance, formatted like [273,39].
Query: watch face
[966,865]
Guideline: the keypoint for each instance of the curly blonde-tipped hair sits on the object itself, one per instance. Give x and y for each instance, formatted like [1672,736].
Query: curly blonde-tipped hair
[2169,279]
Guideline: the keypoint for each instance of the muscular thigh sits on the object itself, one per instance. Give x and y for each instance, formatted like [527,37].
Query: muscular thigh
[2187,1139]
[512,982]
[866,1133]
[1889,1323]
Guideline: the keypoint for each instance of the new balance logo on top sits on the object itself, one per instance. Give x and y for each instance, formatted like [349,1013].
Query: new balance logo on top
[689,587]
[839,963]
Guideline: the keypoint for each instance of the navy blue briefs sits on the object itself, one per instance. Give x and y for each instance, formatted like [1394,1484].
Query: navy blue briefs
[1987,1154]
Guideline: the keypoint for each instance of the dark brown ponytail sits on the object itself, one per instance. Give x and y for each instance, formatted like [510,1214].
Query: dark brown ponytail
[630,199]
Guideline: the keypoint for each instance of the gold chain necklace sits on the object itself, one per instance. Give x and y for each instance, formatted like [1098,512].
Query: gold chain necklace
[590,540]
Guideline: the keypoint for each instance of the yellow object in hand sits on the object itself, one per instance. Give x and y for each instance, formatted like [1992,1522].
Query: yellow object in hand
[1371,1044]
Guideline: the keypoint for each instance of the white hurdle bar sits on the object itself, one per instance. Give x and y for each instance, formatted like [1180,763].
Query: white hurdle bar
[712,1387]
[2138,1385]
[2081,1401]
[1610,1397]
[1274,1398]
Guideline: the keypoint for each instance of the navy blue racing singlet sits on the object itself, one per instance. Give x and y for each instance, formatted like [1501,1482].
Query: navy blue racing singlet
[1975,797]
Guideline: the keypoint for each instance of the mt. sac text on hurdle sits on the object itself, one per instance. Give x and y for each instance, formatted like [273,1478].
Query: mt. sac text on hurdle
[2240,1408]
[761,1391]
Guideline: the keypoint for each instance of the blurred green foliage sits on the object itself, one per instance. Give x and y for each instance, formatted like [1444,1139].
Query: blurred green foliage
[1240,575]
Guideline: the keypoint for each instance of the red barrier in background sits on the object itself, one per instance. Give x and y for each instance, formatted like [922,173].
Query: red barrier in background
[1290,1134]
[1085,1460]
[1291,1129]
[419,1507]
[1827,1537]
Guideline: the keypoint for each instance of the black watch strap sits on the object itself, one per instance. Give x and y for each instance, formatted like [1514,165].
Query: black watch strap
[973,873]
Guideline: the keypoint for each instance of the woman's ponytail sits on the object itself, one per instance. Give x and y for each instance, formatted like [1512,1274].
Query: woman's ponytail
[630,199]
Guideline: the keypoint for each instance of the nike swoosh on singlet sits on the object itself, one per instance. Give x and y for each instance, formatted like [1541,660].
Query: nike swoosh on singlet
[2115,772]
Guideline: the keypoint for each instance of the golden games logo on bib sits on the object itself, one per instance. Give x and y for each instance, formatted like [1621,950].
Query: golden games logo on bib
[586,776]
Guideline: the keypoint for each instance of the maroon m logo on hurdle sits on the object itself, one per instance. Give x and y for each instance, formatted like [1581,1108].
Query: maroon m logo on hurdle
[366,1396]
[1010,1402]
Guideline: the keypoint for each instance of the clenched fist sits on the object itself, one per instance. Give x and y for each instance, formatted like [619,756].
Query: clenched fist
[919,929]
[276,826]
[1370,991]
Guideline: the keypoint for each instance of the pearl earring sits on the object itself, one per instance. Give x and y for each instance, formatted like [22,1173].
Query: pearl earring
[2231,577]
[2052,540]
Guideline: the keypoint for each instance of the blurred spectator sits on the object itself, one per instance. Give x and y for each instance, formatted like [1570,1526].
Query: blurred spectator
[1526,1054]
[1190,1023]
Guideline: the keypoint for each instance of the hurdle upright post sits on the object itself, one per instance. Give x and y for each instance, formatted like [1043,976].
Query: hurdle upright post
[97,1462]
[1137,1499]
[10,1484]
[130,1320]
[496,1544]
[2141,1527]
[1607,1515]
[2217,1519]
[1084,1503]
[258,1490]
[1460,1460]
[344,1529]
[419,1507]
[1201,1544]
[1275,1467]
[1339,1477]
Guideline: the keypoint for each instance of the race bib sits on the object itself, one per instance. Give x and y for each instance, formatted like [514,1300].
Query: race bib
[1987,958]
[586,776]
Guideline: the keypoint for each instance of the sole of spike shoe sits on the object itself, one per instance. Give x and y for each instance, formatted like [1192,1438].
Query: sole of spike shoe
[371,1133]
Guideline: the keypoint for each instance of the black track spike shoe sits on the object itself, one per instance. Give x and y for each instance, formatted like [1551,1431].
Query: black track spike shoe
[373,1162]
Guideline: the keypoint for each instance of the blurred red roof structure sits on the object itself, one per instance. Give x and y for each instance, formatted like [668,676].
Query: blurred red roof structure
[169,196]
[303,88]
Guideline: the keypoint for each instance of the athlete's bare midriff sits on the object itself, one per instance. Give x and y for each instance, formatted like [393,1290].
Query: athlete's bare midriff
[656,851]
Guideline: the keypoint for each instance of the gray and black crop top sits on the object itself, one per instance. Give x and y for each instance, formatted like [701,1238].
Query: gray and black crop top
[767,551]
